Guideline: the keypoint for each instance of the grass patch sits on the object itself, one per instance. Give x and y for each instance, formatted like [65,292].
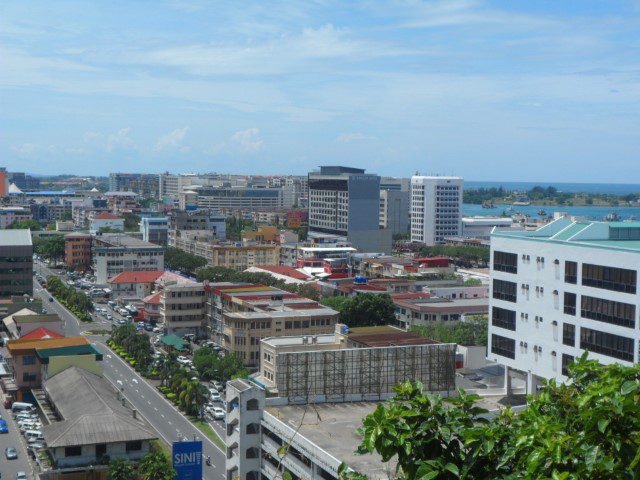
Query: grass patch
[208,431]
[163,448]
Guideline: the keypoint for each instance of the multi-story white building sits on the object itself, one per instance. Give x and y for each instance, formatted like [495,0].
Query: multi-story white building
[154,229]
[182,308]
[436,209]
[563,289]
[117,253]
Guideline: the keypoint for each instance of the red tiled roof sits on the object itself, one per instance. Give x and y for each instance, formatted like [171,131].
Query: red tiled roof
[152,299]
[39,333]
[107,216]
[408,296]
[137,276]
[285,270]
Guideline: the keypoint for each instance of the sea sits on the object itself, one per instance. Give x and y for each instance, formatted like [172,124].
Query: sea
[588,212]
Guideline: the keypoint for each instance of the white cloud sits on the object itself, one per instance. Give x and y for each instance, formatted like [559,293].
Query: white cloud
[25,150]
[248,140]
[173,141]
[353,137]
[120,140]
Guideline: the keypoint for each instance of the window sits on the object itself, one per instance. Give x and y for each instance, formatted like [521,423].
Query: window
[101,450]
[253,428]
[569,303]
[252,452]
[505,262]
[28,377]
[608,311]
[569,334]
[28,360]
[72,451]
[252,404]
[566,361]
[608,344]
[503,346]
[571,272]
[503,290]
[134,446]
[609,278]
[503,318]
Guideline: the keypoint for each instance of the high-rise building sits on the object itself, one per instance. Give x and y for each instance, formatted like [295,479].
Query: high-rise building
[154,229]
[436,209]
[345,203]
[16,263]
[563,289]
[144,184]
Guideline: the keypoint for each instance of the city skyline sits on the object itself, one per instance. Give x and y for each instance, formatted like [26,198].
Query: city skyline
[480,89]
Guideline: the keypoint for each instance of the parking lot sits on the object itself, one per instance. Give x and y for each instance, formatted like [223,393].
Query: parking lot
[9,468]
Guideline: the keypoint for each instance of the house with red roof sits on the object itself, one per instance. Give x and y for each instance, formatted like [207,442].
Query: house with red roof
[134,283]
[151,308]
[40,333]
[105,220]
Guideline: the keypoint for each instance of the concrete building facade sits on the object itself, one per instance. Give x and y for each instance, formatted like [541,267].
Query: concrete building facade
[16,263]
[436,209]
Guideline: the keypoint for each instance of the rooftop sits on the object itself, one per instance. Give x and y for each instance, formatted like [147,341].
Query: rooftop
[107,216]
[15,346]
[40,333]
[333,427]
[386,336]
[122,240]
[286,271]
[608,235]
[91,412]
[137,276]
[44,354]
[328,338]
[15,238]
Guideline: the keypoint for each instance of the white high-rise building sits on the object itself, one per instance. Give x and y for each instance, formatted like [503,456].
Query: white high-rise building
[563,289]
[436,208]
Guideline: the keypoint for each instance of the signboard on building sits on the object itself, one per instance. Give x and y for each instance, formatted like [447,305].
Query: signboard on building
[187,460]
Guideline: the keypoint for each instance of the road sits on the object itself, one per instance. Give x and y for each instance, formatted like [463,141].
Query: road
[9,468]
[159,412]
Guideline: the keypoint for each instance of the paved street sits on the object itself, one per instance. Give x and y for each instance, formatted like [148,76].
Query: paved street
[9,468]
[169,423]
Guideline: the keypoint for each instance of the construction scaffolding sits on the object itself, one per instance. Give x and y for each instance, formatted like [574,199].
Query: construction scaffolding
[363,373]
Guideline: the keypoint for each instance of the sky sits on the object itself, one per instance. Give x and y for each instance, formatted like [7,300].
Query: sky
[489,90]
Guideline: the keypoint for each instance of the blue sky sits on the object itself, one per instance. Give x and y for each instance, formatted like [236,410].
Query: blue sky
[490,90]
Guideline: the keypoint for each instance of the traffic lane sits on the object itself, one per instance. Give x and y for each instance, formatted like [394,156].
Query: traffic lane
[159,412]
[71,323]
[9,468]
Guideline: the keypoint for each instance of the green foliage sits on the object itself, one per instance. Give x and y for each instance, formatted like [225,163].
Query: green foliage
[363,310]
[469,332]
[223,274]
[464,253]
[210,366]
[471,282]
[32,225]
[177,259]
[155,466]
[588,428]
[189,395]
[108,230]
[121,469]
[78,302]
[235,226]
[136,347]
[51,247]
[131,222]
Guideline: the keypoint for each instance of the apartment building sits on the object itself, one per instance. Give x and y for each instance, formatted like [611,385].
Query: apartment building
[182,307]
[436,209]
[242,198]
[423,309]
[77,251]
[16,263]
[145,184]
[241,315]
[9,215]
[122,201]
[205,223]
[115,253]
[563,289]
[345,203]
[155,230]
[105,220]
[236,256]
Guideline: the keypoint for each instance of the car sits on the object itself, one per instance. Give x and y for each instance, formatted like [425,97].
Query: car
[122,321]
[157,330]
[215,397]
[21,476]
[217,413]
[148,327]
[216,385]
[3,426]
[51,299]
[11,453]
[109,316]
[182,360]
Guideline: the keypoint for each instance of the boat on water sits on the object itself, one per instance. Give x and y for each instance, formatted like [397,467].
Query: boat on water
[488,205]
[522,204]
[612,217]
[542,212]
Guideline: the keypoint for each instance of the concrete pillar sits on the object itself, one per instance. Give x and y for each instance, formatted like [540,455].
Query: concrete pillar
[531,387]
[507,382]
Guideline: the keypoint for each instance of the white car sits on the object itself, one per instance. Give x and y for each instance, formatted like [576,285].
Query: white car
[216,412]
[183,360]
[215,397]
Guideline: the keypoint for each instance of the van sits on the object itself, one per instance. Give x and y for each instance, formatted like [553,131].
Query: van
[22,407]
[33,435]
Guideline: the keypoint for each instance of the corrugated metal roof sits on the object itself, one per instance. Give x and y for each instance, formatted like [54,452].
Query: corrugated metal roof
[15,238]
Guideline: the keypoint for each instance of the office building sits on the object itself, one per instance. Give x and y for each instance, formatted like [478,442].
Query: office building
[394,211]
[563,289]
[436,209]
[241,198]
[116,253]
[16,263]
[146,185]
[118,202]
[182,307]
[105,221]
[77,251]
[345,203]
[155,230]
[208,223]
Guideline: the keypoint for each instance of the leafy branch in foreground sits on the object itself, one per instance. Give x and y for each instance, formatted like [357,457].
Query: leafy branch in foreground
[586,429]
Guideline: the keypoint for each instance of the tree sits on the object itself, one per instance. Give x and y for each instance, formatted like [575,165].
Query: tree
[177,259]
[363,310]
[121,469]
[51,247]
[588,428]
[337,303]
[470,332]
[131,222]
[155,466]
[32,225]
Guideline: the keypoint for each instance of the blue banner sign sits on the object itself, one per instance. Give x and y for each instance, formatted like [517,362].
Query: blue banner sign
[187,460]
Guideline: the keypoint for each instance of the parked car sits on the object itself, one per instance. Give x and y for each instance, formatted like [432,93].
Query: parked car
[3,426]
[215,397]
[21,476]
[148,327]
[183,360]
[51,299]
[217,413]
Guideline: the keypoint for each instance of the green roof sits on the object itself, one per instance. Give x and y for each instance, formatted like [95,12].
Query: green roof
[46,353]
[174,341]
[571,230]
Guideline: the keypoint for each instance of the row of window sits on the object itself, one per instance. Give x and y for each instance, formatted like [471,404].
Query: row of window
[505,262]
[503,290]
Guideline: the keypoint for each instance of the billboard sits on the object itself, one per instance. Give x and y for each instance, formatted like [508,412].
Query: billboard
[187,460]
